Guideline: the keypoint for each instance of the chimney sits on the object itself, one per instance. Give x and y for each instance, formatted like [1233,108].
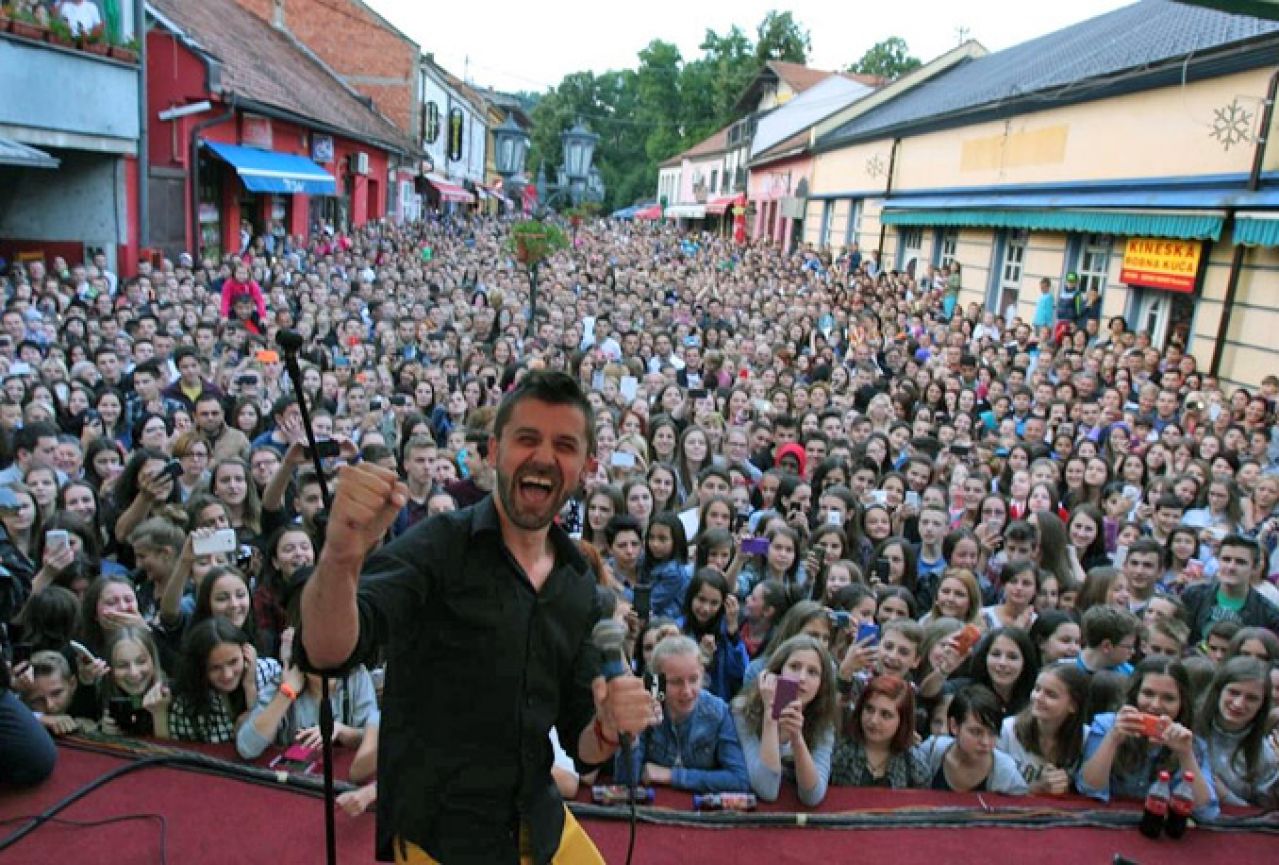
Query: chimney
[277,15]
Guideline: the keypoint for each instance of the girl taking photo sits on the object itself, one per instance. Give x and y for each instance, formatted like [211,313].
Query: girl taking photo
[1152,732]
[798,745]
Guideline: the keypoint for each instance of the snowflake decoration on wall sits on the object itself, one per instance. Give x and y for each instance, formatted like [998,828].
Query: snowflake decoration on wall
[875,166]
[1231,125]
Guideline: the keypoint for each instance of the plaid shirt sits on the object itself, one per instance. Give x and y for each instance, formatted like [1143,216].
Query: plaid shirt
[186,725]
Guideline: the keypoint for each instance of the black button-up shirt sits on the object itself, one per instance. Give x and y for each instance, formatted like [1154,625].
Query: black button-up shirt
[480,666]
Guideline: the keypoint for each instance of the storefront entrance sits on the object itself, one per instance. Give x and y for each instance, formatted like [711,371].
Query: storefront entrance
[1165,315]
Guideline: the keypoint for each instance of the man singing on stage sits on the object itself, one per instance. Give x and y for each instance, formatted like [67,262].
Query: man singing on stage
[484,616]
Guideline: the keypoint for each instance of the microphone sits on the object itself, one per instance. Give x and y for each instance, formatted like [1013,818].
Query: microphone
[609,637]
[289,340]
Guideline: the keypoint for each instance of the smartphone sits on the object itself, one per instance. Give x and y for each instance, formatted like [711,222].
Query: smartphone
[967,638]
[642,601]
[268,356]
[912,499]
[697,393]
[1121,554]
[21,653]
[172,470]
[1195,568]
[655,684]
[787,692]
[327,449]
[835,518]
[246,379]
[375,404]
[839,619]
[399,400]
[879,497]
[82,650]
[882,570]
[244,558]
[868,632]
[755,546]
[56,539]
[622,460]
[1132,493]
[296,759]
[221,541]
[739,521]
[960,450]
[1152,726]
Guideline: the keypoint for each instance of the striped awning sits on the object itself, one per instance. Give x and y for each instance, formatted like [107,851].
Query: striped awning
[1184,225]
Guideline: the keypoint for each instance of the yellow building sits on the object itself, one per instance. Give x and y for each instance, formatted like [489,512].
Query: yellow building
[1121,148]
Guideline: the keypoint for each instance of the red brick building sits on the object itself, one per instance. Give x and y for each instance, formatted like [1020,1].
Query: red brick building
[247,125]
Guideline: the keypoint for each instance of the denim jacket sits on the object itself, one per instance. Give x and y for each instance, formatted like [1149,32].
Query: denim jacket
[702,751]
[670,581]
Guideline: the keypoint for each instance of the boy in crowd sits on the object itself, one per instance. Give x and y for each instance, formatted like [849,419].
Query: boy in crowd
[1110,639]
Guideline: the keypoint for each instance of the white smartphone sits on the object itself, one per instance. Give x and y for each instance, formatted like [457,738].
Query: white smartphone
[83,651]
[623,460]
[57,539]
[221,541]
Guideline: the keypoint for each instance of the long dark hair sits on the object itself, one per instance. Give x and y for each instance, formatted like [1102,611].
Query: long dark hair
[1029,666]
[192,683]
[1069,744]
[203,599]
[1133,753]
[820,714]
[1246,759]
[679,541]
[91,632]
[704,577]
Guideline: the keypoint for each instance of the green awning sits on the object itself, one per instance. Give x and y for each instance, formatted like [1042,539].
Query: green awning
[1257,229]
[1131,223]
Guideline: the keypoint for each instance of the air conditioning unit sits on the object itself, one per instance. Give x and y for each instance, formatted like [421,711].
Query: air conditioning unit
[361,163]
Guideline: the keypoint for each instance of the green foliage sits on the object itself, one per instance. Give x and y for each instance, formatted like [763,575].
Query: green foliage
[532,241]
[659,108]
[782,38]
[889,59]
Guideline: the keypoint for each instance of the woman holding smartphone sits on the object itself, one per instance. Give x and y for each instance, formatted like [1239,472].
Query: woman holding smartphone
[786,721]
[1152,732]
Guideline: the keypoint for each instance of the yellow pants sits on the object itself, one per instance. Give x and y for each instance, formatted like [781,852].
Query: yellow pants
[576,848]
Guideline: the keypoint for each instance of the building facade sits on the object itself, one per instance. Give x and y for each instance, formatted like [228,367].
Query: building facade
[235,148]
[1138,180]
[70,133]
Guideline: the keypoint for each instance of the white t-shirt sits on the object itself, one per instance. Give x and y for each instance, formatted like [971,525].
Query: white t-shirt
[81,17]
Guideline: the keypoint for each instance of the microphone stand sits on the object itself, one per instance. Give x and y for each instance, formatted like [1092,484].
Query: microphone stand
[290,342]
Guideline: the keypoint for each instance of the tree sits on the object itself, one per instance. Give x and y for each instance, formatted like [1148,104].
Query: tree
[888,59]
[781,37]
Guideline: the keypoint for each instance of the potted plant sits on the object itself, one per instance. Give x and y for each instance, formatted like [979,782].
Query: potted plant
[95,41]
[128,52]
[27,25]
[535,240]
[60,33]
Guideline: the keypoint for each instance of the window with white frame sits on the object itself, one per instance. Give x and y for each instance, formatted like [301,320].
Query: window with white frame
[912,246]
[853,228]
[949,245]
[1094,262]
[828,214]
[1011,271]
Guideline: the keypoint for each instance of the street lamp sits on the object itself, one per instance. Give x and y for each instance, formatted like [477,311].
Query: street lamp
[576,178]
[510,147]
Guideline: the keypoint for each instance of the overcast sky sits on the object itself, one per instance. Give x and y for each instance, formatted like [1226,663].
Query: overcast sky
[533,45]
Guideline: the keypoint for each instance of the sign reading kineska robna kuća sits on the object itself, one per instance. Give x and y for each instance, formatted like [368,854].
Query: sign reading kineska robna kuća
[1157,262]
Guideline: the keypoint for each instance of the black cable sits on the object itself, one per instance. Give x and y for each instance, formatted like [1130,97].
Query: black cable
[92,824]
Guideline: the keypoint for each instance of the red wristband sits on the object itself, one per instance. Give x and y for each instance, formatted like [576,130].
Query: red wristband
[287,690]
[599,735]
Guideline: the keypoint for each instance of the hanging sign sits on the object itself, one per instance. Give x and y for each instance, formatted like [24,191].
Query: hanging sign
[1156,262]
[456,121]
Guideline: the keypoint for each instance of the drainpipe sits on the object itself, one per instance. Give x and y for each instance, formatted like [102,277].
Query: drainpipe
[888,191]
[144,157]
[194,163]
[1236,258]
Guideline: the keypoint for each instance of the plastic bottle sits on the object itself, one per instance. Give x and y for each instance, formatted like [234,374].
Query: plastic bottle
[725,802]
[1156,809]
[620,794]
[1181,805]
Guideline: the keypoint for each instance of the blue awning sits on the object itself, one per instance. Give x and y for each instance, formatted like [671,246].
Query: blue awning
[1257,229]
[1131,223]
[16,153]
[269,171]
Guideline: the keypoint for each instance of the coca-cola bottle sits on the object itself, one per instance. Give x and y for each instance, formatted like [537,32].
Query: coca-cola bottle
[1156,809]
[1181,805]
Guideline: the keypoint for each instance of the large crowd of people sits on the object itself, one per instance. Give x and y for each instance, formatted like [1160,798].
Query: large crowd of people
[868,535]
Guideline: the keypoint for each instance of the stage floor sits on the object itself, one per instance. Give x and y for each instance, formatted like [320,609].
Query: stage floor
[214,819]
